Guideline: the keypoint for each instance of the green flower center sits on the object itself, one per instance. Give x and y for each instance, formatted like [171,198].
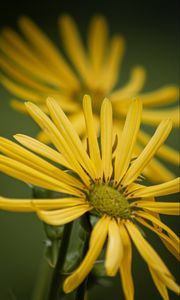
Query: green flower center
[107,200]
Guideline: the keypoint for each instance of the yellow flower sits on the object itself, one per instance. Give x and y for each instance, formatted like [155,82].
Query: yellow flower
[33,69]
[103,180]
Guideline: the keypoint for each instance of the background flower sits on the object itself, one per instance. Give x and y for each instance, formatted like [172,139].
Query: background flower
[34,68]
[151,32]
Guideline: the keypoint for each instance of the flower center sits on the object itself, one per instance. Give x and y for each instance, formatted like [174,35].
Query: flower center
[106,199]
[97,97]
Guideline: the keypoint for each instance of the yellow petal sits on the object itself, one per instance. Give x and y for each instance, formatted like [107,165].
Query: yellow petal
[66,102]
[70,135]
[159,284]
[46,49]
[19,205]
[20,47]
[50,204]
[91,134]
[157,172]
[171,245]
[43,137]
[146,250]
[164,152]
[97,42]
[18,105]
[13,38]
[166,188]
[170,283]
[42,149]
[64,215]
[28,158]
[27,174]
[106,138]
[19,91]
[135,84]
[29,66]
[46,124]
[154,117]
[78,123]
[28,205]
[161,96]
[156,222]
[97,230]
[77,54]
[110,72]
[149,151]
[167,208]
[126,265]
[127,140]
[74,280]
[114,252]
[25,79]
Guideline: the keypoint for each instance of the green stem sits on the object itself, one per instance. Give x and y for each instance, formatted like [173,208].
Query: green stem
[50,254]
[44,280]
[57,277]
[82,289]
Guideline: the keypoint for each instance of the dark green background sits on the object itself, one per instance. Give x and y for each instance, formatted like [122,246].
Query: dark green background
[151,32]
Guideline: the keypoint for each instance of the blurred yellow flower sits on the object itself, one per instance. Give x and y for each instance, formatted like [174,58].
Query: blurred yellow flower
[33,68]
[103,180]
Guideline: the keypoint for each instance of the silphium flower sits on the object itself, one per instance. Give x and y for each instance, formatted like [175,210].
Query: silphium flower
[102,180]
[33,69]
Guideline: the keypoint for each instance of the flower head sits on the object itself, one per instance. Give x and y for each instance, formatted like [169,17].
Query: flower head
[104,179]
[35,69]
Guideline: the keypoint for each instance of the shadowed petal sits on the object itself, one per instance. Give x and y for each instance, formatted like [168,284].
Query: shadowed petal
[145,249]
[125,266]
[146,155]
[114,252]
[99,232]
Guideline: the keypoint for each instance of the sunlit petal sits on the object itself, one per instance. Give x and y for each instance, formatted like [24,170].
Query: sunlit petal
[146,155]
[70,135]
[106,138]
[92,137]
[28,205]
[164,152]
[62,216]
[167,208]
[46,124]
[167,188]
[128,139]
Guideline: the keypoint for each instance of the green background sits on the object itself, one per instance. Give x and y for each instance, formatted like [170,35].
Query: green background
[151,32]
